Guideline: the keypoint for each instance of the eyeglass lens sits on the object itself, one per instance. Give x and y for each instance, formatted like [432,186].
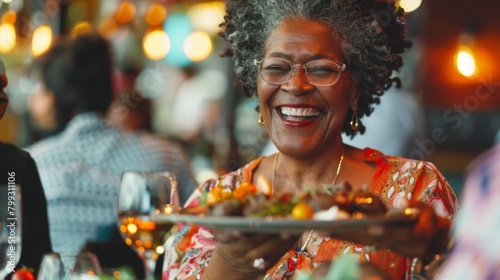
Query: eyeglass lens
[319,72]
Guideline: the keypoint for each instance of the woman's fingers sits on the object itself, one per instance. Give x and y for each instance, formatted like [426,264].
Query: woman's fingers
[254,251]
[272,249]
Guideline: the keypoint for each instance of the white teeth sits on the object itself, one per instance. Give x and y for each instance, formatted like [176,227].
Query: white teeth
[299,112]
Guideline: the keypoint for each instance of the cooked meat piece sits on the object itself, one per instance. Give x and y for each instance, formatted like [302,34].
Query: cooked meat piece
[367,203]
[229,207]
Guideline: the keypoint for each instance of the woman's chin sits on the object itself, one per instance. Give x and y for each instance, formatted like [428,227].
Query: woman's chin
[295,149]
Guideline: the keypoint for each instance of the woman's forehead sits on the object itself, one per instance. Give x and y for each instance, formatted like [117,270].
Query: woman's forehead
[304,35]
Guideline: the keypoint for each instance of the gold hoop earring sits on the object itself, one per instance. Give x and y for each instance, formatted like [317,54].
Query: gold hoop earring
[261,120]
[354,121]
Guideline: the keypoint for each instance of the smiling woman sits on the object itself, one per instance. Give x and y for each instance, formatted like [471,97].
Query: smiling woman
[306,112]
[317,67]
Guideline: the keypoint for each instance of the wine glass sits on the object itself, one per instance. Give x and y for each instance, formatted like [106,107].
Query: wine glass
[10,228]
[143,197]
[87,267]
[51,267]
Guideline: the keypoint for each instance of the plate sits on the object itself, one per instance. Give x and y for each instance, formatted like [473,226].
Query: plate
[277,225]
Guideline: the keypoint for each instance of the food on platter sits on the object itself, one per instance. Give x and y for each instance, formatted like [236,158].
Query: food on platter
[328,202]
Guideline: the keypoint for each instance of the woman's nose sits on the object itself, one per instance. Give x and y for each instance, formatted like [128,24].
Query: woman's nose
[298,83]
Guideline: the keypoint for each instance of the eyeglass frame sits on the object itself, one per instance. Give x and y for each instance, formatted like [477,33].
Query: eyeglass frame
[342,68]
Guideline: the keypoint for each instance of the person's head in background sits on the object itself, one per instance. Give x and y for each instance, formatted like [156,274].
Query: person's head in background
[4,99]
[74,77]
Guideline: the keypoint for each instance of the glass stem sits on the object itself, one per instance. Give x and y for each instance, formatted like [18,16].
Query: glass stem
[149,266]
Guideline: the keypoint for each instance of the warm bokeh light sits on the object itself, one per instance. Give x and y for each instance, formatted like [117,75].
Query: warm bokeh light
[465,62]
[156,44]
[42,39]
[156,14]
[410,5]
[8,35]
[81,28]
[107,27]
[207,16]
[160,250]
[132,228]
[125,12]
[9,17]
[197,46]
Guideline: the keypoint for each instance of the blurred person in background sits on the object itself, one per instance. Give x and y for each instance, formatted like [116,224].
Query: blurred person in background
[129,109]
[476,245]
[81,165]
[19,165]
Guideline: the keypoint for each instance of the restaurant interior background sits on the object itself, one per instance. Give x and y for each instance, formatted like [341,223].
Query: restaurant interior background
[171,80]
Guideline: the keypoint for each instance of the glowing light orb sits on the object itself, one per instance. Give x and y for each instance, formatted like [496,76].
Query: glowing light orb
[410,5]
[465,63]
[156,44]
[8,35]
[198,46]
[42,39]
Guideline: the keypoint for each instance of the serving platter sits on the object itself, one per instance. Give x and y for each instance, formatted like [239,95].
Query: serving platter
[277,225]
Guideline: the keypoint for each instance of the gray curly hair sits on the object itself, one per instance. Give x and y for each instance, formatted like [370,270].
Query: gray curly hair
[372,34]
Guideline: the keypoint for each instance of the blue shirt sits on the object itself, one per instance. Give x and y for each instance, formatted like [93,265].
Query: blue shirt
[80,170]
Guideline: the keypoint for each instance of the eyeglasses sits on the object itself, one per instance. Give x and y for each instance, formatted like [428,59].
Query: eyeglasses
[277,71]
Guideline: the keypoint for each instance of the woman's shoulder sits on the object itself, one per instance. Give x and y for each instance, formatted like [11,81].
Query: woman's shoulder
[46,147]
[397,164]
[378,156]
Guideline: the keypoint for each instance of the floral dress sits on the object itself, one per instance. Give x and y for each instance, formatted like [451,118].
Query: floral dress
[395,179]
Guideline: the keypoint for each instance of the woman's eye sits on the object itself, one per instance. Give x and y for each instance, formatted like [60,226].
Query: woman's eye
[322,70]
[276,68]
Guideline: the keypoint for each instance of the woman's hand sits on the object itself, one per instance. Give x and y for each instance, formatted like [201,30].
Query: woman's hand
[236,252]
[424,238]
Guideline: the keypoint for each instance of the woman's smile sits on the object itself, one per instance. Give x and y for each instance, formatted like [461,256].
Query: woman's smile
[296,114]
